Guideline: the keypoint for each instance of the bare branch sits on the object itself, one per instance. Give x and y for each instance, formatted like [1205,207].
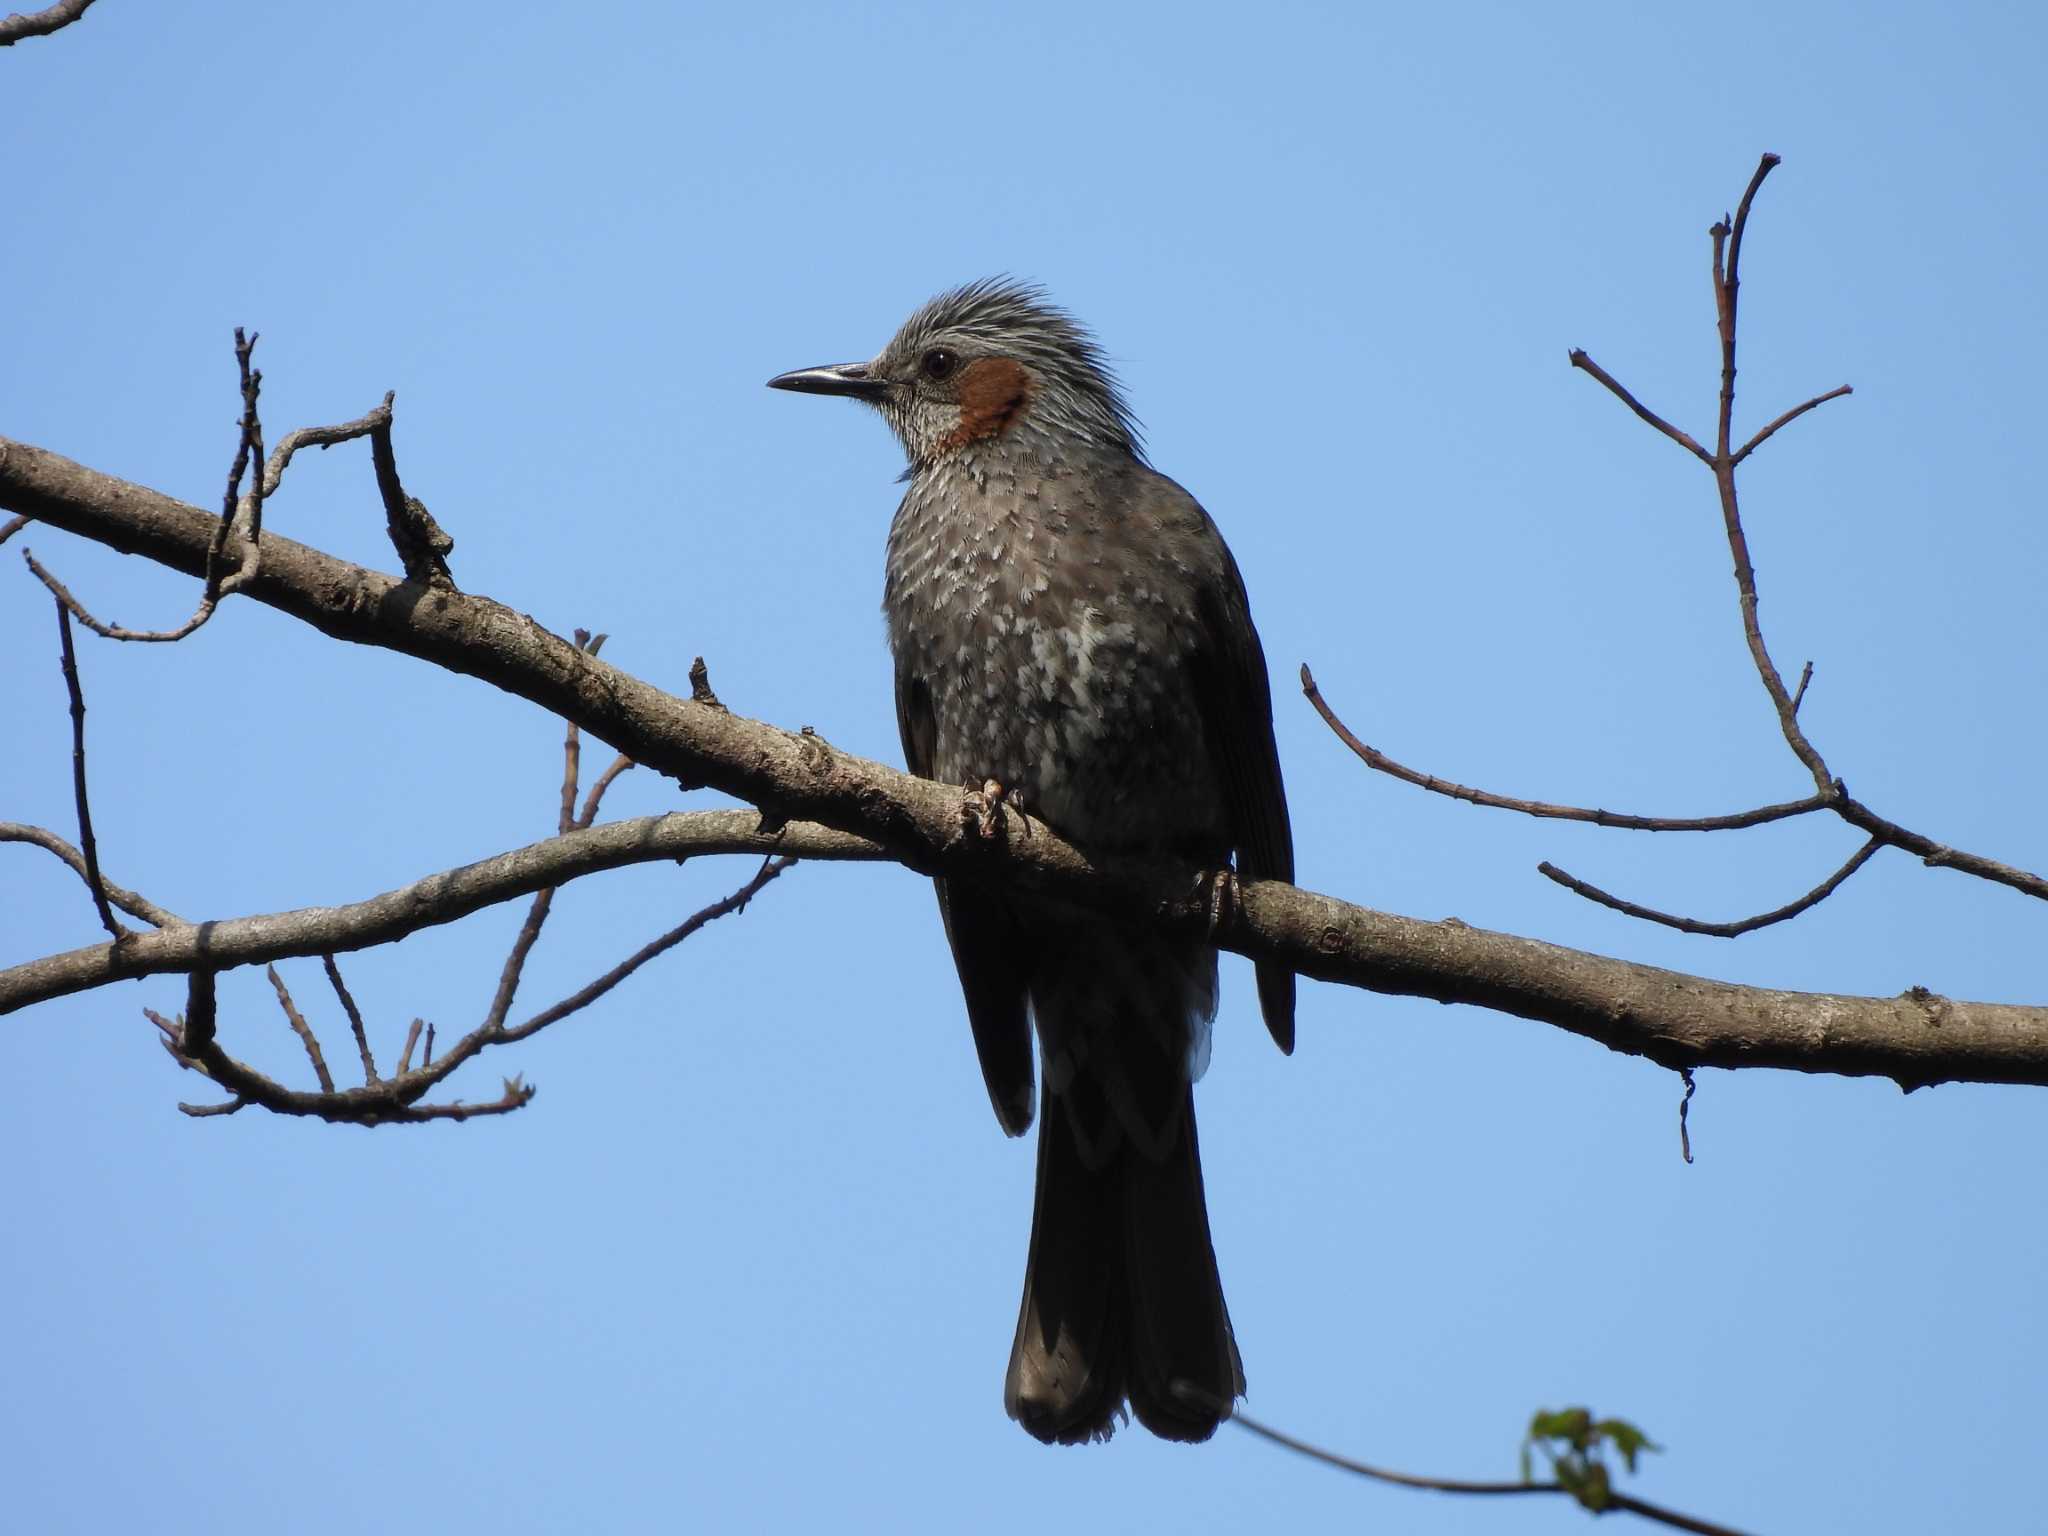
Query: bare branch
[544,899]
[1939,855]
[303,1030]
[128,901]
[320,437]
[1684,439]
[584,997]
[1765,434]
[355,1020]
[1615,1500]
[421,545]
[41,23]
[1674,1019]
[1799,693]
[86,841]
[1373,758]
[11,527]
[603,783]
[436,900]
[248,444]
[412,1038]
[1812,898]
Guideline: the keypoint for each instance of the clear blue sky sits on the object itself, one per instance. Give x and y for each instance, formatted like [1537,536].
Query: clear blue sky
[751,1259]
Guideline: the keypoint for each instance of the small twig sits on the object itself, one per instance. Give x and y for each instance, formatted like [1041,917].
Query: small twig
[427,1050]
[1615,1500]
[53,18]
[1373,758]
[583,998]
[355,1020]
[206,1111]
[87,843]
[1791,909]
[12,526]
[1799,693]
[1797,411]
[1684,1109]
[320,437]
[128,901]
[603,782]
[248,445]
[412,1037]
[302,1029]
[1684,439]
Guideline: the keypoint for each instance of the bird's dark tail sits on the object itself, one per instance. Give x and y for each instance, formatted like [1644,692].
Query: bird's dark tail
[1121,1294]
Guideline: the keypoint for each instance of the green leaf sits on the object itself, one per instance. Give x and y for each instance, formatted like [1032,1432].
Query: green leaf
[1569,1424]
[1627,1438]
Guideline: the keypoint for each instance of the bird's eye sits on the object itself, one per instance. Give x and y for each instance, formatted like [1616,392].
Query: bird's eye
[939,363]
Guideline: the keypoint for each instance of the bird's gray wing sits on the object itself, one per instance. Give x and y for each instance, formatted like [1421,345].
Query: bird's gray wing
[988,951]
[1236,702]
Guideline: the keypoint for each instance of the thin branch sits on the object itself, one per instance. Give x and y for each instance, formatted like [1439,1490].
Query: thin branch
[128,901]
[216,583]
[430,902]
[1799,693]
[41,23]
[1373,758]
[584,997]
[87,843]
[355,1020]
[603,783]
[1939,855]
[412,1038]
[1791,909]
[1615,1500]
[544,899]
[1684,439]
[395,1101]
[1797,411]
[11,527]
[303,1030]
[321,437]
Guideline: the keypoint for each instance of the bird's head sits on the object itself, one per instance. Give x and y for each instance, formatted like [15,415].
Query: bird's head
[990,363]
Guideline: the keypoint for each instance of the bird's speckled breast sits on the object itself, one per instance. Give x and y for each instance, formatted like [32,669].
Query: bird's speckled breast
[1054,641]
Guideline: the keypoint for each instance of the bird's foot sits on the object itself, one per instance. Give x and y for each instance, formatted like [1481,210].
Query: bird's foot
[1226,897]
[981,809]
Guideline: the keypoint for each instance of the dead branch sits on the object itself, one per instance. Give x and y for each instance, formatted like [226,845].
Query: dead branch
[128,901]
[1830,793]
[41,23]
[1728,930]
[88,844]
[1373,758]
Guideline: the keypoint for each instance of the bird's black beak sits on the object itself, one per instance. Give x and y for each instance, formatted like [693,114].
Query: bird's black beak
[840,379]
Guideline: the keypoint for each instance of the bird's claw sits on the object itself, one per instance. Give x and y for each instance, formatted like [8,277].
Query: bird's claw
[981,809]
[1226,897]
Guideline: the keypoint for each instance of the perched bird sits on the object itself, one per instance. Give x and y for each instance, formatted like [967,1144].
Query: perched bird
[1067,622]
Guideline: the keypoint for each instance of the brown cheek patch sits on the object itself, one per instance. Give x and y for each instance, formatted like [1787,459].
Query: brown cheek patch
[992,393]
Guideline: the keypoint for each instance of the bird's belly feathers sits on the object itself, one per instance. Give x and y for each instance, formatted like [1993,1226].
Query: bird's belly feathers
[1058,674]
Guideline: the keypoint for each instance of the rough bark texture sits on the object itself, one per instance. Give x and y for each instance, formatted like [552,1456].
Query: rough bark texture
[1675,1019]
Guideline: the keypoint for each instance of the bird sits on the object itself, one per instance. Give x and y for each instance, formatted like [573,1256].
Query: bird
[1071,636]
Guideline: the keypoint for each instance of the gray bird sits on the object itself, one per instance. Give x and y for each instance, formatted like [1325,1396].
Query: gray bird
[1067,622]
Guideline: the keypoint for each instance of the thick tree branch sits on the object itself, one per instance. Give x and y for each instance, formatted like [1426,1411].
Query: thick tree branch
[865,810]
[53,18]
